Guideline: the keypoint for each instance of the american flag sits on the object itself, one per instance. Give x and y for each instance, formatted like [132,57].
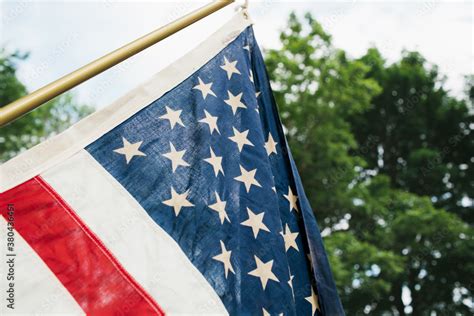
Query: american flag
[192,205]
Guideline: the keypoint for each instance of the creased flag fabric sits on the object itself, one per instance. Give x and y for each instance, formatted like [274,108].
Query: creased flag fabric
[181,198]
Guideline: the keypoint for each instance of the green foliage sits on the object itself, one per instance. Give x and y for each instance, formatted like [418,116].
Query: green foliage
[36,126]
[386,159]
[316,87]
[357,268]
[423,135]
[439,250]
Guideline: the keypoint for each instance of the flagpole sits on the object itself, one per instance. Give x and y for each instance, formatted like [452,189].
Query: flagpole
[33,100]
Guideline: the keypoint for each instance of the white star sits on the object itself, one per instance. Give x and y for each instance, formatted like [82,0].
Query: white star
[230,68]
[251,75]
[129,150]
[247,47]
[205,88]
[255,221]
[248,178]
[211,121]
[313,300]
[264,272]
[292,199]
[219,207]
[178,201]
[270,145]
[172,117]
[234,101]
[257,94]
[176,158]
[266,313]
[290,238]
[216,162]
[290,283]
[224,257]
[240,138]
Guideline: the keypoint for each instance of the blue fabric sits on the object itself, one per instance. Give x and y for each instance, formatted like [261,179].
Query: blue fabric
[198,229]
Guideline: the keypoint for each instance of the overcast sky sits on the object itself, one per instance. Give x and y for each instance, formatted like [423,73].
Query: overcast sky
[64,35]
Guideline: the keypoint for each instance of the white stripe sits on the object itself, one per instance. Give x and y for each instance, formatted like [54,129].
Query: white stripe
[37,291]
[58,148]
[144,249]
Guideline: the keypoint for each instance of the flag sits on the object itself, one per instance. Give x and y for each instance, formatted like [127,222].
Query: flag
[181,198]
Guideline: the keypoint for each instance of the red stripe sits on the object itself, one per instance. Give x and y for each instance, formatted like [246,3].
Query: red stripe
[82,263]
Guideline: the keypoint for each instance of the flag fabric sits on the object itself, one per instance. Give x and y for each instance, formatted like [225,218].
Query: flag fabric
[181,198]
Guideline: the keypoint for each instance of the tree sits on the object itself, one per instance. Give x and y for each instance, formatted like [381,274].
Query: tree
[316,88]
[36,126]
[355,127]
[424,142]
[399,242]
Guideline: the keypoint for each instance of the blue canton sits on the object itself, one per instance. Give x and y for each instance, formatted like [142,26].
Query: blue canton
[209,163]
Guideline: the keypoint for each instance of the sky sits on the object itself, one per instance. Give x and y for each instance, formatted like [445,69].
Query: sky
[64,35]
